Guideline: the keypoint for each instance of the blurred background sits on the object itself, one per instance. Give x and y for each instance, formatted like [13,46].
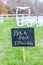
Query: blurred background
[14,55]
[9,6]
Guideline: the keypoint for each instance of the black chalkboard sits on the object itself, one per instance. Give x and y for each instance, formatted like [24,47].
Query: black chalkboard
[23,37]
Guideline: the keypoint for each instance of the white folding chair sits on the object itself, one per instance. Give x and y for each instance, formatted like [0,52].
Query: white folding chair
[39,23]
[31,22]
[26,19]
[19,21]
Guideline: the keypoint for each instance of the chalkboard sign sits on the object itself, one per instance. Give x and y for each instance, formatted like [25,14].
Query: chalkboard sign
[23,37]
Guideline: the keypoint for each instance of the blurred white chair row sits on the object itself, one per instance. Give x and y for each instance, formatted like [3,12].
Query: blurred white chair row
[29,21]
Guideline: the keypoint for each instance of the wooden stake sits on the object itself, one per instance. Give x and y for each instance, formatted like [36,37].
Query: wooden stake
[24,58]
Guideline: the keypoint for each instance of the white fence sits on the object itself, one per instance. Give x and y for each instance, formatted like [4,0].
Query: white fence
[26,20]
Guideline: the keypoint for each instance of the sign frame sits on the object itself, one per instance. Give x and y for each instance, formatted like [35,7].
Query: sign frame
[22,29]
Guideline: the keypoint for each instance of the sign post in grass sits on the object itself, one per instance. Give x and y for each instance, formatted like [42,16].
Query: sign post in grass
[23,37]
[24,56]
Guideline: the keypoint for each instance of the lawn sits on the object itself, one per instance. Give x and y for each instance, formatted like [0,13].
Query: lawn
[14,55]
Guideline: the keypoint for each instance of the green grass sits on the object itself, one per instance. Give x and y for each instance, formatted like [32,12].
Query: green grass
[14,55]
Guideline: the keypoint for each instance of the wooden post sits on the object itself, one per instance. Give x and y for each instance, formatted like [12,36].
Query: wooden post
[24,58]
